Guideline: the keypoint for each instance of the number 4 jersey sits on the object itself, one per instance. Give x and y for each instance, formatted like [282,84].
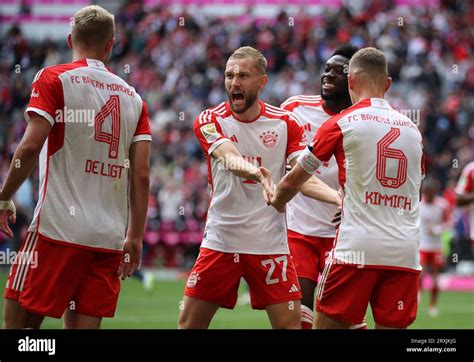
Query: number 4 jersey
[380,158]
[96,116]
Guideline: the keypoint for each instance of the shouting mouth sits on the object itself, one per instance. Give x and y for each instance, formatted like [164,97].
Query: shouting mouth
[238,98]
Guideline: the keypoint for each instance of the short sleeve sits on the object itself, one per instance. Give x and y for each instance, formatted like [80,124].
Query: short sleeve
[46,96]
[143,131]
[296,138]
[466,181]
[208,132]
[327,142]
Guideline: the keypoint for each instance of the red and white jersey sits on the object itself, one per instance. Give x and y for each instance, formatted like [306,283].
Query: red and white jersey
[96,116]
[380,157]
[305,215]
[465,186]
[239,220]
[433,218]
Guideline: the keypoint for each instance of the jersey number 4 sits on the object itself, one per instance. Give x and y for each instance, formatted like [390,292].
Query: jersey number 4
[384,153]
[112,109]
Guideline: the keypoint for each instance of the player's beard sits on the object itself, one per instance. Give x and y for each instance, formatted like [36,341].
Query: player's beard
[250,99]
[339,96]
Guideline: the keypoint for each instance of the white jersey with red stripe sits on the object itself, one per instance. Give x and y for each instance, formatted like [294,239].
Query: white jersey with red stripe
[433,218]
[465,186]
[95,117]
[239,220]
[380,157]
[305,215]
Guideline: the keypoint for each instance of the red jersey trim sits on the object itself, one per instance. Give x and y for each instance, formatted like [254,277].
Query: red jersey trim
[262,112]
[293,102]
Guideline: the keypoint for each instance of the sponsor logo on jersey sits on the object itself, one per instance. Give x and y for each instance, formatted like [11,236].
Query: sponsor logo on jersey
[293,289]
[193,280]
[304,141]
[209,132]
[34,94]
[269,138]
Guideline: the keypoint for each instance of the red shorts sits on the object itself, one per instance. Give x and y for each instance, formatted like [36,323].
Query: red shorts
[432,259]
[48,277]
[309,254]
[216,276]
[345,292]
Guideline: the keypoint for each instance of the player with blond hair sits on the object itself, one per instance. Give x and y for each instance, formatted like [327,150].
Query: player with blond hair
[79,244]
[247,142]
[380,158]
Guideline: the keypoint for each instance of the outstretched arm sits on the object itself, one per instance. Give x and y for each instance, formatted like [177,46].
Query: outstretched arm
[232,160]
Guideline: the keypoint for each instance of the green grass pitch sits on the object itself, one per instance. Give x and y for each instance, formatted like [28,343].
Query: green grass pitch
[159,309]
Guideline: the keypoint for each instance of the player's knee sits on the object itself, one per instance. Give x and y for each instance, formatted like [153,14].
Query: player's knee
[290,320]
[183,320]
[186,321]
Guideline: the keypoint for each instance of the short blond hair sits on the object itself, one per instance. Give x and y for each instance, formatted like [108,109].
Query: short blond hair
[369,60]
[249,52]
[92,26]
[371,64]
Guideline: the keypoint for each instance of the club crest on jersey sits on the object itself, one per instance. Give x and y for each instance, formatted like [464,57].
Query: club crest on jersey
[192,280]
[269,138]
[209,132]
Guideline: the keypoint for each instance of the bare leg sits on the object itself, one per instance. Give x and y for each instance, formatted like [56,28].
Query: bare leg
[196,313]
[16,317]
[325,322]
[73,320]
[286,315]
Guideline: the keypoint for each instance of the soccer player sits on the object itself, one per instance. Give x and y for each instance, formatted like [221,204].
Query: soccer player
[465,193]
[247,142]
[379,154]
[91,132]
[434,220]
[310,231]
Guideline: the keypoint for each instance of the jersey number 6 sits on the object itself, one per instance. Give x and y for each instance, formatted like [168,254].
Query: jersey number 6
[384,152]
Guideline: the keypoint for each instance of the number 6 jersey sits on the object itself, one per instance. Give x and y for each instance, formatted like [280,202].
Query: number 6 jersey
[95,117]
[380,158]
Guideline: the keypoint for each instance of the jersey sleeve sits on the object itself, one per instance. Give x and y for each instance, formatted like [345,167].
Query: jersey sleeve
[46,96]
[143,131]
[327,142]
[208,132]
[296,138]
[466,181]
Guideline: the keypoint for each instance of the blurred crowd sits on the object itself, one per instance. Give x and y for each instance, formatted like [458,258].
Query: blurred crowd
[176,62]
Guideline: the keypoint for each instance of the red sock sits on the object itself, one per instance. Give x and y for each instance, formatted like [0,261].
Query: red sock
[307,318]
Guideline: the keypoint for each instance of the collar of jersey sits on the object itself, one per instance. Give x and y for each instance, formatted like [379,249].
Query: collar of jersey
[327,110]
[262,111]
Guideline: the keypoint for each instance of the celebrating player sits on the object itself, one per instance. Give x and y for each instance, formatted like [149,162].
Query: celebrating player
[78,244]
[379,153]
[310,231]
[246,142]
[434,220]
